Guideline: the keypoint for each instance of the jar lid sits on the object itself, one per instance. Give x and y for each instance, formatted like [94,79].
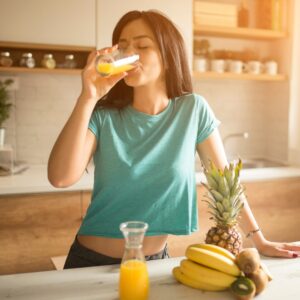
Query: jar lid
[7,54]
[27,54]
[69,56]
[48,55]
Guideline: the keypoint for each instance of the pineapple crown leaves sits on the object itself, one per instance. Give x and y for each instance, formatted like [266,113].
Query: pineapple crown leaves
[223,193]
[224,182]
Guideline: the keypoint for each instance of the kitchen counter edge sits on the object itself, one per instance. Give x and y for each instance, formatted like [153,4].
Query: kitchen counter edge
[34,180]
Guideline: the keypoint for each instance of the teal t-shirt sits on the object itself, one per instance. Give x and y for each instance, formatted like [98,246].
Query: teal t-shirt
[144,167]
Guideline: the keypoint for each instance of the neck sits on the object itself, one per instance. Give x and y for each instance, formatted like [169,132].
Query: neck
[149,100]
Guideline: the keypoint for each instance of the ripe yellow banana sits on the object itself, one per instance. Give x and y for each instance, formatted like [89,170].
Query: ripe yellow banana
[206,275]
[212,260]
[216,249]
[188,281]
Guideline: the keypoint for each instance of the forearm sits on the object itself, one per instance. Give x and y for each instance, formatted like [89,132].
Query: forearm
[249,224]
[68,157]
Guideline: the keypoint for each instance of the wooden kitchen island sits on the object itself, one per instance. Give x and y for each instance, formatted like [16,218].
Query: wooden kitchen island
[101,283]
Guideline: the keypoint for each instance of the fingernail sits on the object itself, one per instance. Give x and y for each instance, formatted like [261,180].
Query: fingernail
[295,255]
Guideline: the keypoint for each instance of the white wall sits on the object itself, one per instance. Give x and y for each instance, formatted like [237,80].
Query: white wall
[66,22]
[42,106]
[259,108]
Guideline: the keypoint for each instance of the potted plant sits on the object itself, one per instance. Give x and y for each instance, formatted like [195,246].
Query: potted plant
[5,107]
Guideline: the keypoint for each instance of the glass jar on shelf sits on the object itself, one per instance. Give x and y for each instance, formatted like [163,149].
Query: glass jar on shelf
[27,60]
[48,61]
[70,62]
[134,278]
[201,55]
[5,59]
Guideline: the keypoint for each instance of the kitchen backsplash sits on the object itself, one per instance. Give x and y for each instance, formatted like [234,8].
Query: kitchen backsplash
[259,108]
[43,103]
[42,106]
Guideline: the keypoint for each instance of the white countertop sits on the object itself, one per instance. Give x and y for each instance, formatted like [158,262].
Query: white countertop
[34,180]
[101,283]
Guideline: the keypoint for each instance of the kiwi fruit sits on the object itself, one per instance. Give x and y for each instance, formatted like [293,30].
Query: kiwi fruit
[260,279]
[248,260]
[266,270]
[243,288]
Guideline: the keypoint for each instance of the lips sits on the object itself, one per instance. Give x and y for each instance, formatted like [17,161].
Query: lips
[134,70]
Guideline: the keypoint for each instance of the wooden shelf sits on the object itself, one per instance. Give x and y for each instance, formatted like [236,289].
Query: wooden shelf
[39,50]
[244,33]
[53,47]
[15,70]
[227,75]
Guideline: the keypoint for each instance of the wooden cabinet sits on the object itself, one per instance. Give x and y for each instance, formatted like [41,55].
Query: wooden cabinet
[36,227]
[59,22]
[276,207]
[109,12]
[240,33]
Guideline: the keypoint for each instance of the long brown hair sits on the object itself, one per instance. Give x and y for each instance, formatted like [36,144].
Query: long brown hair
[173,53]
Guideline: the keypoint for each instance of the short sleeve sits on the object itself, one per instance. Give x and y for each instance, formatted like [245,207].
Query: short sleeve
[207,120]
[95,123]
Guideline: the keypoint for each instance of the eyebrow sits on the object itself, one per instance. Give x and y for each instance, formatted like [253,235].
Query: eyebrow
[137,38]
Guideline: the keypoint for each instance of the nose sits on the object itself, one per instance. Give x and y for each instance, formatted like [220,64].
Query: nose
[129,50]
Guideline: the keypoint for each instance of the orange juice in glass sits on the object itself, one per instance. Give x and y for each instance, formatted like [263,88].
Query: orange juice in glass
[134,278]
[114,63]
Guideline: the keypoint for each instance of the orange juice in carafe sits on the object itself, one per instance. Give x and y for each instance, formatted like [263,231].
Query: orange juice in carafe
[134,278]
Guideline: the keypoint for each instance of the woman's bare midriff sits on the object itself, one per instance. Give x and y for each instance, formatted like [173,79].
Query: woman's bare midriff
[115,247]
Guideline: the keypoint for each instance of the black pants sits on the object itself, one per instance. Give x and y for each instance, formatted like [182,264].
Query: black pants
[80,257]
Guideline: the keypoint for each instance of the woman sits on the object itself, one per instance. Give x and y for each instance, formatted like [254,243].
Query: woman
[142,134]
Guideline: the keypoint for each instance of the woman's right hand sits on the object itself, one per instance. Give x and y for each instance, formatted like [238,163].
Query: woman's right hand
[95,86]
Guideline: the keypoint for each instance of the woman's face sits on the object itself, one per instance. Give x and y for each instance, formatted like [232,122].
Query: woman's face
[137,38]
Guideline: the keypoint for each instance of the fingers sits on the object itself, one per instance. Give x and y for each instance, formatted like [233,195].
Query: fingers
[286,253]
[90,76]
[115,78]
[292,246]
[106,50]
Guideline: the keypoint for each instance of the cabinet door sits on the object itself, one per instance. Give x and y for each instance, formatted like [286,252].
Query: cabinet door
[109,12]
[64,22]
[36,227]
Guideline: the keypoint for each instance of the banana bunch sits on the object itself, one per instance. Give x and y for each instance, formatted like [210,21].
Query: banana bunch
[207,267]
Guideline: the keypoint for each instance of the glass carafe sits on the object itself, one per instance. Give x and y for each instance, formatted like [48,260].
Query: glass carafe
[134,278]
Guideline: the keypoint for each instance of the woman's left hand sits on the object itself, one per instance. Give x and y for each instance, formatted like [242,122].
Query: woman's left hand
[275,249]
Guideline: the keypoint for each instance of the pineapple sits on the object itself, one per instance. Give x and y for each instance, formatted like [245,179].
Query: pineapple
[224,202]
